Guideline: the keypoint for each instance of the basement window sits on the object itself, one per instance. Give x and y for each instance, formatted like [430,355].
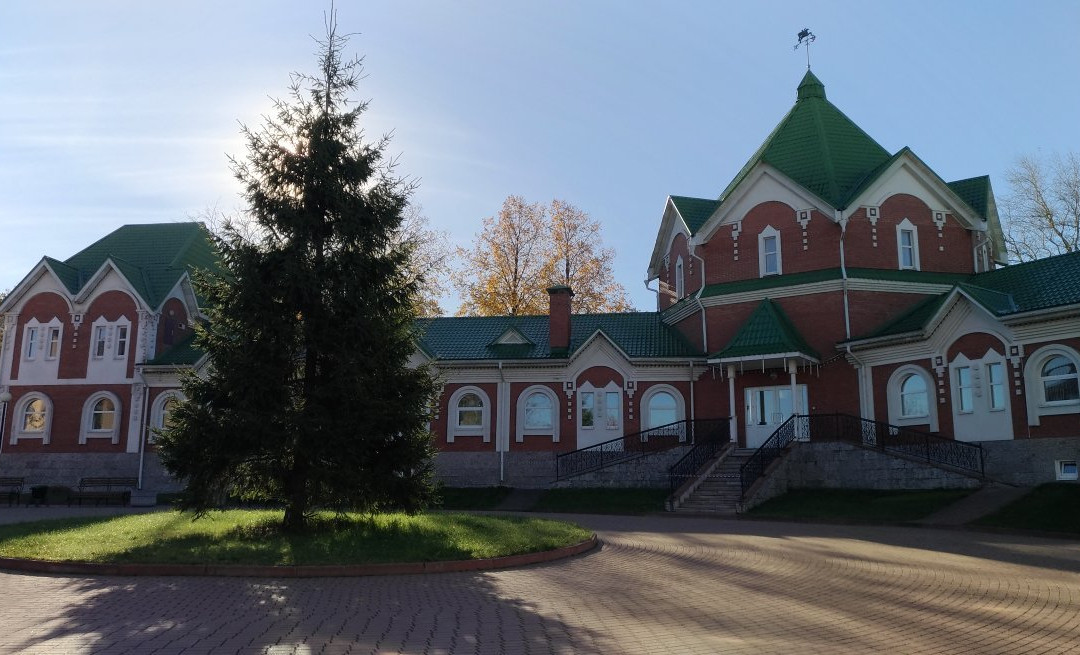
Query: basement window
[1066,469]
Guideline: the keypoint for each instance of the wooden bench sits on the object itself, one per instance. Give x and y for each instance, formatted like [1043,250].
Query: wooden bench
[104,490]
[13,488]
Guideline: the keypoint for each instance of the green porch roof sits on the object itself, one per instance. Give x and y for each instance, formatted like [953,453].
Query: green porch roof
[1031,286]
[182,353]
[768,331]
[638,334]
[152,257]
[694,211]
[818,147]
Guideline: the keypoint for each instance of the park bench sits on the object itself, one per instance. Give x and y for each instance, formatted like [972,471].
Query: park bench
[13,488]
[104,490]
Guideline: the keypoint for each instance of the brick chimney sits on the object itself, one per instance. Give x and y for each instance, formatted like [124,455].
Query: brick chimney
[559,318]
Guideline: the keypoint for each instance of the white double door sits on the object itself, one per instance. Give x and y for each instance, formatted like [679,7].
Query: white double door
[768,407]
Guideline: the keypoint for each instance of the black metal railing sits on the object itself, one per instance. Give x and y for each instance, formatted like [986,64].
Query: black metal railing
[713,437]
[846,428]
[755,467]
[629,447]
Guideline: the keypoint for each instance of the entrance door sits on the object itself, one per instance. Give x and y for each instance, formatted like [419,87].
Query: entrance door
[980,394]
[767,408]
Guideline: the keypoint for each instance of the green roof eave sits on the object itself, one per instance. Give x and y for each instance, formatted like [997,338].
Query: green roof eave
[766,334]
[694,211]
[826,274]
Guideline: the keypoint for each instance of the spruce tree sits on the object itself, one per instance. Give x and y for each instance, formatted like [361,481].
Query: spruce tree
[307,399]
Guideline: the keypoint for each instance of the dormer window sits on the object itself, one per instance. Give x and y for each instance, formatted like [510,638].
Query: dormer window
[769,262]
[680,280]
[907,245]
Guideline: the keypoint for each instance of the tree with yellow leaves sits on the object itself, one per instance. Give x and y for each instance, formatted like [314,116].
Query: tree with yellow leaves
[526,249]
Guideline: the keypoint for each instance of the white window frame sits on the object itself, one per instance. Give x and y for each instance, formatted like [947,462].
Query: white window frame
[157,412]
[453,430]
[87,432]
[766,233]
[17,431]
[680,279]
[600,410]
[50,331]
[925,392]
[99,337]
[646,398]
[892,394]
[525,431]
[988,366]
[972,386]
[30,341]
[907,226]
[1037,405]
[119,342]
[1060,466]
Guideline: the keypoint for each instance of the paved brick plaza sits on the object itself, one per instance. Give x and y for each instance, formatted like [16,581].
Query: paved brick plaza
[660,585]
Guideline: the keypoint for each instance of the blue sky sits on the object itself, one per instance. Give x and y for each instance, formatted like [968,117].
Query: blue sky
[124,112]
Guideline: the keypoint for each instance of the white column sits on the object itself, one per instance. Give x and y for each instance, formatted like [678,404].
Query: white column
[734,421]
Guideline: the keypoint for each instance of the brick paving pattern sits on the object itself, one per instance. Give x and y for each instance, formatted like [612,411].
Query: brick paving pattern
[659,585]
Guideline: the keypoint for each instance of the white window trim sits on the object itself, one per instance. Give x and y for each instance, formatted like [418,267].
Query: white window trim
[925,391]
[95,330]
[1037,405]
[523,431]
[770,231]
[117,340]
[903,225]
[85,431]
[453,430]
[32,334]
[892,394]
[987,363]
[680,403]
[17,432]
[680,279]
[49,329]
[1059,469]
[958,395]
[598,398]
[157,415]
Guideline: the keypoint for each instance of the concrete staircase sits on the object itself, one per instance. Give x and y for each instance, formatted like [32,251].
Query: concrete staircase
[719,493]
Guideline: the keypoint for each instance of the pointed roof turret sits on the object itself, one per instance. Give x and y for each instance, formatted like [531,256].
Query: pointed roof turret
[810,87]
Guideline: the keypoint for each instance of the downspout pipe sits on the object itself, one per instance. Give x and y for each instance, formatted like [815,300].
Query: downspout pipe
[656,291]
[143,429]
[498,437]
[697,297]
[843,273]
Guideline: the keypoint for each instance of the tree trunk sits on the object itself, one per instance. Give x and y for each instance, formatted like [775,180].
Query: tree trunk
[296,510]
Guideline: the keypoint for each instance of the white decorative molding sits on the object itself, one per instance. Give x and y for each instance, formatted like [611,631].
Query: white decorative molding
[803,218]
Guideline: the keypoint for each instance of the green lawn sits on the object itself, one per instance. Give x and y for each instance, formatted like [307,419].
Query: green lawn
[253,537]
[858,504]
[602,501]
[1050,507]
[475,498]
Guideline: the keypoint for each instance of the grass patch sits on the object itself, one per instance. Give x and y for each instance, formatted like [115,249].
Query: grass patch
[253,537]
[1049,507]
[477,498]
[602,501]
[858,504]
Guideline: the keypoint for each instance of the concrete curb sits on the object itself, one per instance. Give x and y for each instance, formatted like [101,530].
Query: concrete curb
[311,571]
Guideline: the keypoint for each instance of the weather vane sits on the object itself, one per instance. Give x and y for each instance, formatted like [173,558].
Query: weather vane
[807,37]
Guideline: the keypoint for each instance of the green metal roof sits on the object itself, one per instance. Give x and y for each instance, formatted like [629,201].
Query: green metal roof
[818,147]
[768,331]
[825,274]
[694,211]
[638,334]
[152,257]
[1031,286]
[973,191]
[183,353]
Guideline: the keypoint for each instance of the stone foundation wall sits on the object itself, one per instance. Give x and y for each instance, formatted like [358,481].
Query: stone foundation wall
[66,469]
[1028,462]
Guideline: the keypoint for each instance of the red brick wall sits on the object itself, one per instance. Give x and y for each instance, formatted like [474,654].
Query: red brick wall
[818,317]
[567,438]
[67,407]
[952,252]
[691,272]
[173,315]
[869,310]
[44,307]
[111,305]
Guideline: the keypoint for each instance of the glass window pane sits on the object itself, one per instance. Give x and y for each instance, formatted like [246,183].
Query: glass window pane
[470,400]
[34,416]
[662,409]
[588,418]
[538,411]
[1059,366]
[611,409]
[1063,389]
[167,413]
[470,417]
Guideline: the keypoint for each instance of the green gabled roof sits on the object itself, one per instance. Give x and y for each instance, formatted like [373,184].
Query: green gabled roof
[1031,286]
[638,334]
[767,331]
[974,192]
[152,257]
[818,147]
[694,211]
[183,353]
[825,274]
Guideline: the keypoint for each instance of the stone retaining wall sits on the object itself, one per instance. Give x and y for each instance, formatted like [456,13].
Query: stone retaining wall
[537,471]
[1028,462]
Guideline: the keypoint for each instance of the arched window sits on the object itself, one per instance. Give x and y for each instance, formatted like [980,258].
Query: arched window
[537,413]
[913,400]
[1052,379]
[32,418]
[469,414]
[661,404]
[162,412]
[101,418]
[662,410]
[1059,380]
[770,261]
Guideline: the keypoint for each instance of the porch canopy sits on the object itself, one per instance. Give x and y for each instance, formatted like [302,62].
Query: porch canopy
[767,339]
